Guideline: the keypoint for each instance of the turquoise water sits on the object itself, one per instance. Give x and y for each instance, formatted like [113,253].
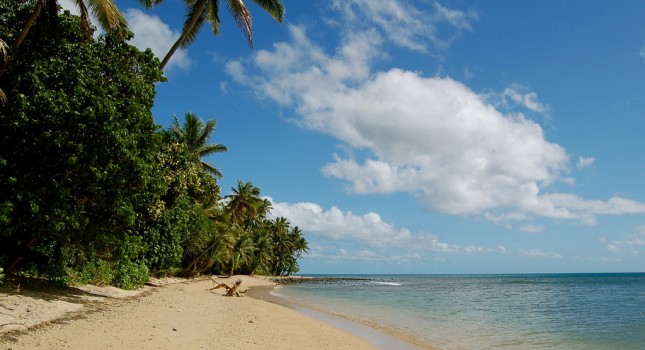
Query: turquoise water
[539,311]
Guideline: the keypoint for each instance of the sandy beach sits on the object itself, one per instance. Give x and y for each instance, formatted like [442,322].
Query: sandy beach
[176,314]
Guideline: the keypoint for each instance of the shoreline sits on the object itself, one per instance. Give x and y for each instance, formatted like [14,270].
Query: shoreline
[380,337]
[186,314]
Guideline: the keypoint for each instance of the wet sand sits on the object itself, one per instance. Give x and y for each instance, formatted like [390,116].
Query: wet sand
[379,339]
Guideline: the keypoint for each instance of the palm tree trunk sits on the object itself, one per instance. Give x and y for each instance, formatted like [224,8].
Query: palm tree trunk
[184,34]
[192,264]
[25,29]
[21,36]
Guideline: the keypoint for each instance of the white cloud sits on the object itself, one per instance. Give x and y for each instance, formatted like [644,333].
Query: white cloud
[585,162]
[518,95]
[642,52]
[151,32]
[432,137]
[536,253]
[404,24]
[334,255]
[367,229]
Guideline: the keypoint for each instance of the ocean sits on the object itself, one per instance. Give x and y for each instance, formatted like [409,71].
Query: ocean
[518,311]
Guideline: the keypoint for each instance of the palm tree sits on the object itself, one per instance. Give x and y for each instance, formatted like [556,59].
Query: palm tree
[263,255]
[217,253]
[195,135]
[221,243]
[241,252]
[245,202]
[201,11]
[298,242]
[281,244]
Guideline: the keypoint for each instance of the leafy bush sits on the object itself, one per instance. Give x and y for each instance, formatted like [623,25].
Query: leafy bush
[78,170]
[131,275]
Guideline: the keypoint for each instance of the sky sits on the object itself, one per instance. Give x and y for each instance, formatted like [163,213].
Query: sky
[427,136]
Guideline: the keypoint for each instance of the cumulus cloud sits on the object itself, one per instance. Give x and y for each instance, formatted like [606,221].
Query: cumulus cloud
[432,137]
[151,32]
[368,229]
[536,253]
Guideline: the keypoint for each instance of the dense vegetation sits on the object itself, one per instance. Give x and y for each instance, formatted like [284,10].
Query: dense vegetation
[93,191]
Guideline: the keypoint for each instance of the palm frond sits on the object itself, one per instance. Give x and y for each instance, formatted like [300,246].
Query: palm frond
[176,128]
[242,17]
[109,16]
[275,8]
[149,3]
[211,169]
[213,16]
[4,57]
[207,150]
[195,18]
[204,134]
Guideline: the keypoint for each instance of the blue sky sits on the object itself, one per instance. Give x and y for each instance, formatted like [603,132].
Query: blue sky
[427,136]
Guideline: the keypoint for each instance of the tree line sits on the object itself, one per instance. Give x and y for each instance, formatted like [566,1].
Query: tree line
[93,191]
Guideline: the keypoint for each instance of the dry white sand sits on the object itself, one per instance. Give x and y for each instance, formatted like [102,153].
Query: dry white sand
[180,315]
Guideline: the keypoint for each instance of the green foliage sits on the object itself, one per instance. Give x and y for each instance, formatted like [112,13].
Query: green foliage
[97,272]
[131,275]
[178,224]
[245,241]
[77,153]
[93,191]
[1,274]
[195,134]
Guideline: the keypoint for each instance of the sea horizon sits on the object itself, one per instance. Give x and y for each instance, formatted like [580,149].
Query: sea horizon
[490,311]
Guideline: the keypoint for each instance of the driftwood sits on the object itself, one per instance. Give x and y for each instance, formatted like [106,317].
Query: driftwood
[230,291]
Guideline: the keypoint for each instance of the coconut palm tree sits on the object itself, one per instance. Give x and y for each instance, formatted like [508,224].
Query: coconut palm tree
[195,135]
[263,255]
[281,244]
[241,253]
[298,242]
[245,202]
[202,11]
[217,253]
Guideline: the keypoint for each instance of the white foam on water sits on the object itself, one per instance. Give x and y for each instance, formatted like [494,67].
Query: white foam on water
[387,283]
